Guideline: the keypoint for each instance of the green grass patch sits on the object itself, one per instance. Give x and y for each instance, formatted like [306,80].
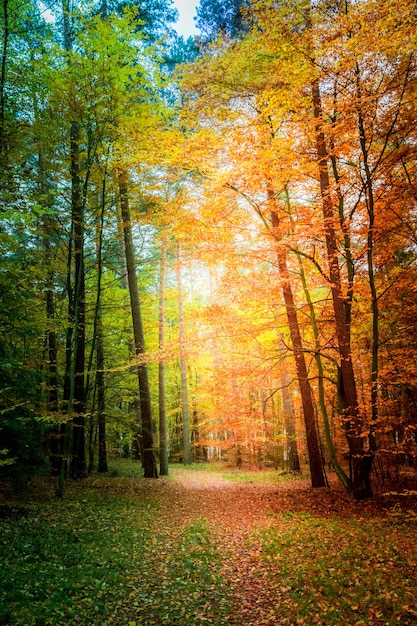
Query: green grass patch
[128,468]
[105,561]
[214,467]
[241,476]
[66,563]
[334,571]
[260,476]
[125,468]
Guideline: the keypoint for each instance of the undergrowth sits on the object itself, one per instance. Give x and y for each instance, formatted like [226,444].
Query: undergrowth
[338,571]
[91,560]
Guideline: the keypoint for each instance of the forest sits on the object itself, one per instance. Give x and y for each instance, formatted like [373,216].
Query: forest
[208,246]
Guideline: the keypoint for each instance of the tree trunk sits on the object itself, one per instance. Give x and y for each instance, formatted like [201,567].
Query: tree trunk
[288,411]
[361,460]
[101,400]
[74,391]
[319,365]
[149,461]
[65,427]
[183,367]
[98,332]
[3,69]
[370,205]
[78,465]
[163,435]
[134,407]
[318,478]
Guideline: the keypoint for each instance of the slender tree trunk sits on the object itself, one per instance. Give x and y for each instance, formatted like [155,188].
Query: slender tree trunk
[66,398]
[163,435]
[289,422]
[318,478]
[361,460]
[98,332]
[183,366]
[74,392]
[195,436]
[370,205]
[134,407]
[320,370]
[101,400]
[3,70]
[149,461]
[78,465]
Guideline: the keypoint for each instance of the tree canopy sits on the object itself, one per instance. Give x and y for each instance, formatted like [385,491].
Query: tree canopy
[220,232]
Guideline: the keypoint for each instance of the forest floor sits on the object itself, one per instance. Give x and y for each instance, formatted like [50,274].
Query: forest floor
[206,547]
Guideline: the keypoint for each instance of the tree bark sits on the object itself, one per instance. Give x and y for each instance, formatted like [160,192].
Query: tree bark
[288,411]
[318,478]
[163,435]
[78,465]
[183,366]
[149,461]
[100,379]
[361,460]
[101,400]
[370,204]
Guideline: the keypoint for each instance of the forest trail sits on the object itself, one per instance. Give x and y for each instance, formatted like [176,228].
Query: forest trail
[235,512]
[206,546]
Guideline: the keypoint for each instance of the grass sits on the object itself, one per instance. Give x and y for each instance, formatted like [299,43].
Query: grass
[234,474]
[101,560]
[260,476]
[104,556]
[335,571]
[66,563]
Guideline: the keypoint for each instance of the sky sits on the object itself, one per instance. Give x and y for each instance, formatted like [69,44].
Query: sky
[187,10]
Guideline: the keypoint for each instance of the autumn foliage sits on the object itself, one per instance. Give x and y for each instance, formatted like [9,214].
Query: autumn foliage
[274,172]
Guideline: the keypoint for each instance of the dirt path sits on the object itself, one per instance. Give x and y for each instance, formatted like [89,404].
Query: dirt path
[190,549]
[234,512]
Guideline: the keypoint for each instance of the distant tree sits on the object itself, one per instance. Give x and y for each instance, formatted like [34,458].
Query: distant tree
[221,16]
[183,365]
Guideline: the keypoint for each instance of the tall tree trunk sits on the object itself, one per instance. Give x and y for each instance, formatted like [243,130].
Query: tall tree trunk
[370,205]
[97,345]
[183,365]
[3,70]
[288,411]
[78,465]
[134,407]
[361,460]
[101,399]
[74,392]
[319,365]
[318,478]
[197,451]
[149,461]
[98,332]
[163,435]
[66,397]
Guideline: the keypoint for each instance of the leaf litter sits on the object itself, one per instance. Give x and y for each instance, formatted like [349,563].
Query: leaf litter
[198,548]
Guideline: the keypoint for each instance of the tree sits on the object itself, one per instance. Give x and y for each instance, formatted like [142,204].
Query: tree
[183,364]
[163,435]
[217,16]
[149,462]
